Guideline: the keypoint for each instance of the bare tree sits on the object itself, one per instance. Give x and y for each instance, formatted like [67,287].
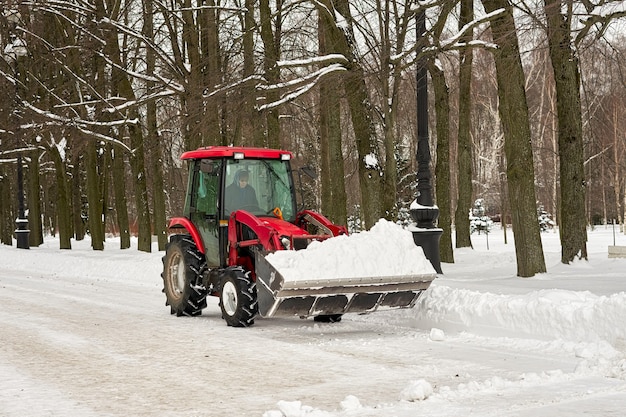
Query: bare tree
[369,168]
[570,133]
[464,202]
[270,33]
[63,199]
[443,194]
[154,137]
[331,150]
[514,116]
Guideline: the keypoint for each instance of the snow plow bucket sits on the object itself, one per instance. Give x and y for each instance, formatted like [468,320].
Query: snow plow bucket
[279,295]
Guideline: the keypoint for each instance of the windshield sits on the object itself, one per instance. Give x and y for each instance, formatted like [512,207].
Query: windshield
[259,186]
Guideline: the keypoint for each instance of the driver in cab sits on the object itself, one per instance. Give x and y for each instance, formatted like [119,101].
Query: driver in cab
[240,194]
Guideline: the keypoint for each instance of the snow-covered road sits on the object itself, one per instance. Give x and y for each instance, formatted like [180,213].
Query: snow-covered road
[86,333]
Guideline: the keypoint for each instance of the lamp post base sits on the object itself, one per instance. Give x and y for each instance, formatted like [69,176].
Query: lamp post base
[22,234]
[426,234]
[428,239]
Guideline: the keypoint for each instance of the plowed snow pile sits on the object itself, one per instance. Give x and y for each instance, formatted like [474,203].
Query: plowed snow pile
[385,250]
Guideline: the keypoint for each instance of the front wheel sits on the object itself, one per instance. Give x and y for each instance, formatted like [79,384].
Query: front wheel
[238,299]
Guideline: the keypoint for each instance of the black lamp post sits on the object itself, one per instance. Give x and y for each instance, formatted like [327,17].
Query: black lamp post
[13,52]
[423,210]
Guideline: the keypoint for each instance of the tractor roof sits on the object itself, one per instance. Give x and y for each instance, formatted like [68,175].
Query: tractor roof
[230,151]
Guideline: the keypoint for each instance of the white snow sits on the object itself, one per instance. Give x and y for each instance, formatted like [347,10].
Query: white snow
[371,161]
[386,250]
[86,333]
[314,60]
[416,206]
[610,8]
[437,335]
[416,391]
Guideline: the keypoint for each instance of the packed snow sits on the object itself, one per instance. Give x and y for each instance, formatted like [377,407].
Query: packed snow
[386,250]
[86,333]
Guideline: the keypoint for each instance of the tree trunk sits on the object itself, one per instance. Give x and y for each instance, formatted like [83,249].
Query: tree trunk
[94,197]
[570,134]
[504,195]
[158,186]
[64,220]
[464,181]
[370,172]
[78,218]
[332,168]
[252,131]
[513,110]
[105,167]
[35,237]
[390,78]
[271,54]
[121,83]
[137,163]
[210,70]
[119,195]
[617,175]
[442,171]
[158,192]
[192,101]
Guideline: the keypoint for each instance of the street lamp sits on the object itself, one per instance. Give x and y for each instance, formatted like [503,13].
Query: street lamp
[423,211]
[13,52]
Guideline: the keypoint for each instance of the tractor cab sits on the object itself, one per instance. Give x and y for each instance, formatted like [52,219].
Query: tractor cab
[223,180]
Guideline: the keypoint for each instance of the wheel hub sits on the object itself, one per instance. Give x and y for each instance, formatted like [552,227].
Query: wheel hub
[229,298]
[177,275]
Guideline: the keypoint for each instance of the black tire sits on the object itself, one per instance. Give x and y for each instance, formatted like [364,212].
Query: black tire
[328,318]
[238,299]
[183,265]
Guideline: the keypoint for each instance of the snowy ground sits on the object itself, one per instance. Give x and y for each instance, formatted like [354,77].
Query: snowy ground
[86,333]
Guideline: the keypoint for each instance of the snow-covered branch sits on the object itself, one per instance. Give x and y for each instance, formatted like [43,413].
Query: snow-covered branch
[80,124]
[220,8]
[313,78]
[233,86]
[13,151]
[601,16]
[304,80]
[453,40]
[452,43]
[316,60]
[134,103]
[287,98]
[425,5]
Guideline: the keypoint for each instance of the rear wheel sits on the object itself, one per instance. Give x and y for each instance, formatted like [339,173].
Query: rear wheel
[183,264]
[238,299]
[328,318]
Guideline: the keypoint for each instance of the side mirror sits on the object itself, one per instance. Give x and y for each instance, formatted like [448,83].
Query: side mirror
[209,166]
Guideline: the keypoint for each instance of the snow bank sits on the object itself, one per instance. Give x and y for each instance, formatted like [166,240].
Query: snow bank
[549,313]
[385,250]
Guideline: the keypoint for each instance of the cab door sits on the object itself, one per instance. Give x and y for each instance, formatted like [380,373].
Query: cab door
[204,206]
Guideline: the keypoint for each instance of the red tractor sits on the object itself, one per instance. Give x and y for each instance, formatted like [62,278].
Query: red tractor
[240,206]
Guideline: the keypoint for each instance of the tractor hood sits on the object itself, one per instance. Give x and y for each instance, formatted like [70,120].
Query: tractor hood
[283,227]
